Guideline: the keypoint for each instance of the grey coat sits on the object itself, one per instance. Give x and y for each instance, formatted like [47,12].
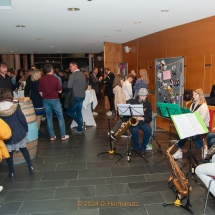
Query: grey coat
[77,81]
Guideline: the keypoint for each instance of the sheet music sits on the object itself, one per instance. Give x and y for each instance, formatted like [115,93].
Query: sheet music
[195,124]
[124,109]
[184,126]
[137,110]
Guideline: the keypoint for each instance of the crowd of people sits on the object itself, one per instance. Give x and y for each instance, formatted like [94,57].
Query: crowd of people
[69,88]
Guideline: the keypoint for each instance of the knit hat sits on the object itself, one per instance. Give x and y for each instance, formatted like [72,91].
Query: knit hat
[143,92]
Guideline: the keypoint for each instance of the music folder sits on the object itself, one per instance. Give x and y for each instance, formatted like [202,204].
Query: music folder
[189,125]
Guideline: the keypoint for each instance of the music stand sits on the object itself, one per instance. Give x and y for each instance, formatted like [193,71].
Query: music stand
[111,151]
[167,109]
[130,110]
[194,126]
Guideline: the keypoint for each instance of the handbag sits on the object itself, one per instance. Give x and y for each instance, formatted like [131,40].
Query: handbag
[69,100]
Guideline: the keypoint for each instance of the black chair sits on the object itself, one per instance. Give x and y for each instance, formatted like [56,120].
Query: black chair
[211,100]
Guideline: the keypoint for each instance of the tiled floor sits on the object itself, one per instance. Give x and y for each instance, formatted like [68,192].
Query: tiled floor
[70,178]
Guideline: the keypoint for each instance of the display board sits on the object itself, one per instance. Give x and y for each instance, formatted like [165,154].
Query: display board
[169,81]
[123,69]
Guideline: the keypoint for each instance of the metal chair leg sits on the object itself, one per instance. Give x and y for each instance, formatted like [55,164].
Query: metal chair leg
[206,202]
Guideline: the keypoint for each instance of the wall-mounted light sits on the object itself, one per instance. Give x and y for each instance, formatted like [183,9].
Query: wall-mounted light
[127,49]
[99,58]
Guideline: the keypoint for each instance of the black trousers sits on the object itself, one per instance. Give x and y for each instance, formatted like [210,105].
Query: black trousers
[111,101]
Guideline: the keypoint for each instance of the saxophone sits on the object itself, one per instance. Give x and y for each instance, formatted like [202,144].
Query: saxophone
[177,178]
[131,122]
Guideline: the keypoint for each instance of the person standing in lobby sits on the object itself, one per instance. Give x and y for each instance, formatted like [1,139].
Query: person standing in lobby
[109,89]
[5,81]
[49,87]
[127,87]
[77,81]
[95,82]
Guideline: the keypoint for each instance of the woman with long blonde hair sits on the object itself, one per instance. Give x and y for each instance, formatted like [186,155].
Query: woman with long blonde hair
[36,98]
[117,90]
[141,82]
[199,105]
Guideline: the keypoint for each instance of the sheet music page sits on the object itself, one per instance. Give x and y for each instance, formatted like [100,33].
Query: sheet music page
[137,110]
[124,109]
[195,123]
[183,126]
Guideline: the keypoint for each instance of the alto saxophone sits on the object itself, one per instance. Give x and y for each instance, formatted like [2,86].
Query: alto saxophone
[131,122]
[177,178]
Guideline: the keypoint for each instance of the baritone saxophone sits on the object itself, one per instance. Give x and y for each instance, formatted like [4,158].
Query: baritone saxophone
[177,178]
[133,121]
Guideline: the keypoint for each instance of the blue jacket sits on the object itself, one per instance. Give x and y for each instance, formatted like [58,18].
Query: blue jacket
[17,123]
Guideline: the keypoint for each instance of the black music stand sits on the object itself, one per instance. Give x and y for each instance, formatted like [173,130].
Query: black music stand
[196,127]
[111,151]
[130,110]
[167,110]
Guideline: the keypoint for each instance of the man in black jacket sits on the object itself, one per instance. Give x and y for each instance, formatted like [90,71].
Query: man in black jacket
[94,81]
[144,121]
[109,89]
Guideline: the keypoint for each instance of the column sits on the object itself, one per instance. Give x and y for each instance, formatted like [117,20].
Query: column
[32,59]
[17,62]
[90,62]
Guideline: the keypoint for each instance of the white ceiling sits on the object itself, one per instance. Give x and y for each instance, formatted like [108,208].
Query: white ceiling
[75,32]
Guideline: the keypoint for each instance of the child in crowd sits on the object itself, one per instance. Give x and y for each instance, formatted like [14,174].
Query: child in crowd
[11,113]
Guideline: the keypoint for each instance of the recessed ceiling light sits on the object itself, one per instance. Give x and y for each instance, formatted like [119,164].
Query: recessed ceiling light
[20,26]
[137,22]
[73,9]
[58,50]
[80,51]
[118,30]
[164,10]
[51,46]
[90,44]
[97,41]
[11,51]
[106,36]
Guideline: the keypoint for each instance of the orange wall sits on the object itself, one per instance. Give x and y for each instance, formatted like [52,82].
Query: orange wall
[195,41]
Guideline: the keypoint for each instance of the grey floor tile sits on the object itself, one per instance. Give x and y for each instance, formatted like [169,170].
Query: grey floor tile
[125,179]
[86,158]
[162,168]
[74,212]
[22,177]
[141,187]
[123,211]
[27,195]
[40,168]
[73,165]
[14,185]
[58,175]
[10,208]
[125,171]
[99,164]
[94,173]
[157,177]
[81,182]
[142,199]
[112,189]
[58,159]
[46,184]
[75,192]
[60,205]
[53,152]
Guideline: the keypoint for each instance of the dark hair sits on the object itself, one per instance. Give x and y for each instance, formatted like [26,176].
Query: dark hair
[47,68]
[3,64]
[5,95]
[130,76]
[74,63]
[95,68]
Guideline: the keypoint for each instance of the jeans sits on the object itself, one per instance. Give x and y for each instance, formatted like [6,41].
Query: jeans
[75,112]
[210,139]
[54,104]
[145,127]
[198,141]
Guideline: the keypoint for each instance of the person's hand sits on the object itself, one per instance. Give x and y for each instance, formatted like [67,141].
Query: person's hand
[100,78]
[140,118]
[123,124]
[20,81]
